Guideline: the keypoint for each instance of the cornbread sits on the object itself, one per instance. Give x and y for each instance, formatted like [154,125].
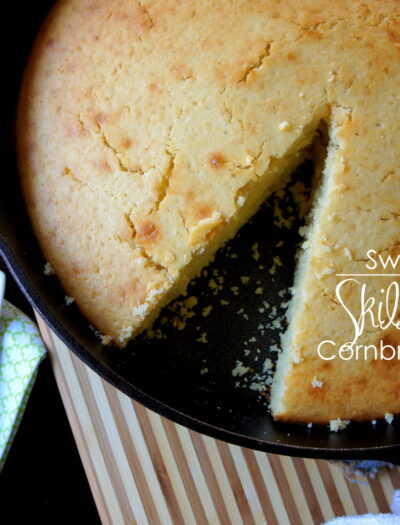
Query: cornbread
[148,132]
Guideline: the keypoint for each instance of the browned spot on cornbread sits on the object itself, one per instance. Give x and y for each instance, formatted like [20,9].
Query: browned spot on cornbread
[216,160]
[147,233]
[101,118]
[395,251]
[126,143]
[103,166]
[154,87]
[313,34]
[360,382]
[391,338]
[203,211]
[315,392]
[392,37]
[51,42]
[132,288]
[76,269]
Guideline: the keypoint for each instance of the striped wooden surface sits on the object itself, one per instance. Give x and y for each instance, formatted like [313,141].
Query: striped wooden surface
[144,469]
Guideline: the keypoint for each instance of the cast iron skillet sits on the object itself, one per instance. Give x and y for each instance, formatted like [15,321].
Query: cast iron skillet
[187,381]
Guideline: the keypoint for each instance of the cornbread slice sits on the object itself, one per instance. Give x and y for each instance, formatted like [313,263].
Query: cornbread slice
[150,131]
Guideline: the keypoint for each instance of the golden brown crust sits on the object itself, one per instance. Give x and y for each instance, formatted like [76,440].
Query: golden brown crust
[139,129]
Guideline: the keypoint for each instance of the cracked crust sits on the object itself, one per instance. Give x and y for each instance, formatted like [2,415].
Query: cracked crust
[139,159]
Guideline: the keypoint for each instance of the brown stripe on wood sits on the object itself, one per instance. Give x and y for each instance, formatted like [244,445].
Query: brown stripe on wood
[330,487]
[210,477]
[132,456]
[259,485]
[395,477]
[284,489]
[184,470]
[236,484]
[379,495]
[158,464]
[356,496]
[76,427]
[105,445]
[309,493]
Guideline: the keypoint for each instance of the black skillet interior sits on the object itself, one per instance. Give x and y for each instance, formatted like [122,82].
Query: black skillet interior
[176,372]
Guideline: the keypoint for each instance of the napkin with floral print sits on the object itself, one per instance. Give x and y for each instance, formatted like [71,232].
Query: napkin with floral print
[21,351]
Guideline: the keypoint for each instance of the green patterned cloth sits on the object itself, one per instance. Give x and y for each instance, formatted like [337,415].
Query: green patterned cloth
[21,351]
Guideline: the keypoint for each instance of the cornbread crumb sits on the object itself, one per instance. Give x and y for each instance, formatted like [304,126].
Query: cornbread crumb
[202,338]
[347,253]
[105,339]
[206,311]
[338,424]
[241,200]
[244,279]
[48,269]
[277,324]
[268,365]
[284,126]
[240,369]
[259,290]
[68,300]
[248,160]
[389,417]
[317,384]
[256,253]
[332,76]
[258,386]
[204,371]
[191,301]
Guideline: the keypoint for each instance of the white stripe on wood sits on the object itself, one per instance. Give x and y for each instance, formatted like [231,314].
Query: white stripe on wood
[223,481]
[117,451]
[145,460]
[172,469]
[387,487]
[296,489]
[368,497]
[90,435]
[321,495]
[272,487]
[198,476]
[247,484]
[343,491]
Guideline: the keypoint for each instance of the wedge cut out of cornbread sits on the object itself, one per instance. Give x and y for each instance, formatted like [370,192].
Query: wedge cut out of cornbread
[149,131]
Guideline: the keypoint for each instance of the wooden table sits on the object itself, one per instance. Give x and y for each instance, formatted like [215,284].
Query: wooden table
[144,469]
